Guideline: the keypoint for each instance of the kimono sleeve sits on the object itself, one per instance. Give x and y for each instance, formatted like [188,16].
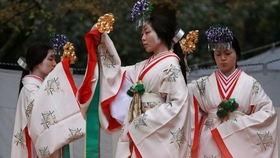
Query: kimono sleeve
[196,90]
[112,76]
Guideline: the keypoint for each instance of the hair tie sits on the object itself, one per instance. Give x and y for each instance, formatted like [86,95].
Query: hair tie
[22,63]
[178,36]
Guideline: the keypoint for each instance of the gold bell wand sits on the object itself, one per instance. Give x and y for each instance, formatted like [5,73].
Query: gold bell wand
[105,23]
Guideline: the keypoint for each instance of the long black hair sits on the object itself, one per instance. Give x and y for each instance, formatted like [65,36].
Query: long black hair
[34,55]
[165,30]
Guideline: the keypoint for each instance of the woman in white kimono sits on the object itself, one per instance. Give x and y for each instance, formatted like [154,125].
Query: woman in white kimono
[48,115]
[40,60]
[156,124]
[233,115]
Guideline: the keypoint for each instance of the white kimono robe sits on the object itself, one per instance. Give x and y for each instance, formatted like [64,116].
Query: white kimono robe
[50,112]
[164,129]
[250,131]
[22,145]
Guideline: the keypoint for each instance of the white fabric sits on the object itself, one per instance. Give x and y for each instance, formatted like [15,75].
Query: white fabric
[163,131]
[121,99]
[245,135]
[268,78]
[31,86]
[233,115]
[151,97]
[268,74]
[50,112]
[10,80]
[56,119]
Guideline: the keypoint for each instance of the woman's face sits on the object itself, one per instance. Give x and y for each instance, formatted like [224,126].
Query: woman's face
[47,65]
[226,60]
[150,40]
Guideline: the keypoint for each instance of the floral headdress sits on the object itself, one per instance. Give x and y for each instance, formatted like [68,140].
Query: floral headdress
[60,44]
[57,42]
[219,38]
[141,11]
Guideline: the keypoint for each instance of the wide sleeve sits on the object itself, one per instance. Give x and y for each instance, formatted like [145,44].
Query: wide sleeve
[194,97]
[257,132]
[197,90]
[112,77]
[56,119]
[21,142]
[86,90]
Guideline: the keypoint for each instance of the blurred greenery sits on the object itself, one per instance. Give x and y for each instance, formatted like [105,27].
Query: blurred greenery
[254,22]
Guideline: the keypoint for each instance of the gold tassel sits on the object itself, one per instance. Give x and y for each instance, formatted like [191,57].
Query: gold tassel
[135,107]
[131,109]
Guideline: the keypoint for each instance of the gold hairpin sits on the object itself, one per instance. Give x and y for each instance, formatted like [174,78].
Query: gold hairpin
[69,52]
[188,43]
